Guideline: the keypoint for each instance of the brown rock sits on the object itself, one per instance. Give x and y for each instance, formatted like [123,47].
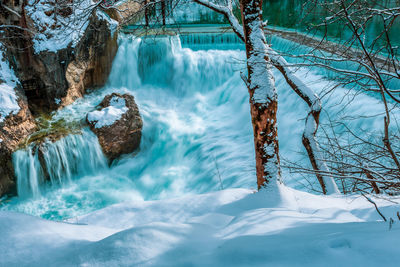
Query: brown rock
[49,12]
[49,78]
[126,13]
[13,130]
[123,136]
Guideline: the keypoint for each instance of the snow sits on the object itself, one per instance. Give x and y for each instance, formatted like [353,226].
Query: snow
[109,115]
[113,24]
[309,133]
[262,80]
[234,227]
[8,81]
[68,31]
[302,88]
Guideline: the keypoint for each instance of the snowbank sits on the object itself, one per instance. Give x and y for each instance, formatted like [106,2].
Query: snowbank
[109,115]
[8,82]
[232,227]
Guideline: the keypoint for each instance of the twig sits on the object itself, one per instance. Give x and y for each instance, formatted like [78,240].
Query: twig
[376,207]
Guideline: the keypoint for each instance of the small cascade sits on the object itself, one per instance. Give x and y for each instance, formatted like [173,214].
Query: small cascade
[57,162]
[208,41]
[156,59]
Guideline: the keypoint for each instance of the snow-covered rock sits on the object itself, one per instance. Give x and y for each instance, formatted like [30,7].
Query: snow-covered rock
[63,27]
[117,124]
[73,49]
[16,122]
[109,115]
[8,83]
[57,29]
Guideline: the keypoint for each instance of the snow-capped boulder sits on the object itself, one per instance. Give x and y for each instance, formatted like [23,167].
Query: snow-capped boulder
[117,124]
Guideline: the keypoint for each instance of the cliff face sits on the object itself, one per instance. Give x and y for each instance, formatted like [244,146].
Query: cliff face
[92,59]
[126,12]
[13,130]
[52,72]
[56,65]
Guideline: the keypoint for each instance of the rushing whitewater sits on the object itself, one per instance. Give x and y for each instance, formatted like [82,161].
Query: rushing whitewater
[197,133]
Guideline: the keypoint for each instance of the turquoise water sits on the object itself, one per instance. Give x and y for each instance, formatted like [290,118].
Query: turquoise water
[196,125]
[197,134]
[303,16]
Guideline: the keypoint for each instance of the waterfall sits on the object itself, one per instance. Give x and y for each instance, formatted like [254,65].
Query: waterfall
[56,162]
[197,133]
[211,41]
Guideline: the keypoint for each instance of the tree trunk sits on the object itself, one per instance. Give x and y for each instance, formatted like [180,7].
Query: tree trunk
[146,12]
[263,95]
[163,11]
[327,183]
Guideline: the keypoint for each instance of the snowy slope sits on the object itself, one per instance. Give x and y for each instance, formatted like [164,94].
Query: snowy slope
[233,227]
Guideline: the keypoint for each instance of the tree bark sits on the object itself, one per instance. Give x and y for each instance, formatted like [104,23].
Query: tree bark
[163,11]
[327,183]
[146,12]
[309,139]
[263,95]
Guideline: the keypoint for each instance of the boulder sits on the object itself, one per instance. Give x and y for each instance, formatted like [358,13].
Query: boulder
[117,124]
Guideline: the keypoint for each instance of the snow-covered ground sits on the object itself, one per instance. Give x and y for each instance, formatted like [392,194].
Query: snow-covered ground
[234,227]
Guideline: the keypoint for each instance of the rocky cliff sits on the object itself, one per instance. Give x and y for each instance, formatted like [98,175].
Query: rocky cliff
[56,63]
[14,130]
[56,55]
[16,122]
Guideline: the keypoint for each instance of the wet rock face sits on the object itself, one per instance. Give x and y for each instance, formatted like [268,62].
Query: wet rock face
[13,130]
[117,124]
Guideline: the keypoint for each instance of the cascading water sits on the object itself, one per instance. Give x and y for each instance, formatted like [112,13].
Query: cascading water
[197,133]
[58,162]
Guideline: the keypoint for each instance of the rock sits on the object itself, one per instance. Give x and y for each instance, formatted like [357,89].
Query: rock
[93,59]
[50,80]
[53,79]
[117,124]
[13,130]
[126,13]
